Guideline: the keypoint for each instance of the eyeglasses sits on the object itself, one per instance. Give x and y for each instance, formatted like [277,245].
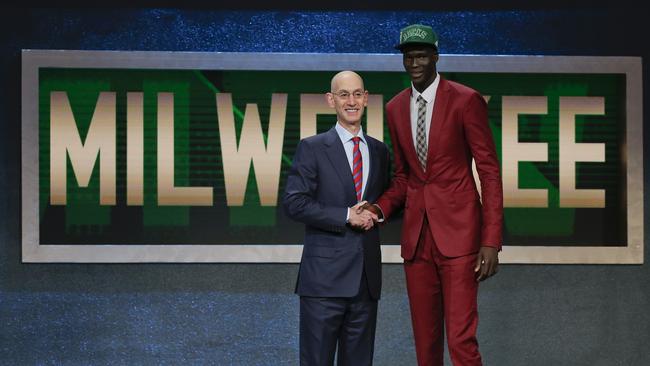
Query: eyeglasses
[344,94]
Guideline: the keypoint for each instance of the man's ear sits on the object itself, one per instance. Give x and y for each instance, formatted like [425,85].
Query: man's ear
[330,99]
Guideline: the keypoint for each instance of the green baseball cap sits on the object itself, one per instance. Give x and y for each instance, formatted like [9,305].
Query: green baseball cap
[417,34]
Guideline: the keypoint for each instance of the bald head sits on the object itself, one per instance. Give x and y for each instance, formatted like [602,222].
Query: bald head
[345,77]
[348,98]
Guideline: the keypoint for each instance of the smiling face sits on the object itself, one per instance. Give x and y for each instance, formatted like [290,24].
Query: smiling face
[348,98]
[420,63]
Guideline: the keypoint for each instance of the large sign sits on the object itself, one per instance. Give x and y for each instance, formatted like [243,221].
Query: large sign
[182,157]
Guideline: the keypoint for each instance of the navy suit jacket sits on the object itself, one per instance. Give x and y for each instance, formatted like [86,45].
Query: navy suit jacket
[319,190]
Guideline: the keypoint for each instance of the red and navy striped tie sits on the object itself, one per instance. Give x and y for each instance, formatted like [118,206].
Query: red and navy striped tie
[357,167]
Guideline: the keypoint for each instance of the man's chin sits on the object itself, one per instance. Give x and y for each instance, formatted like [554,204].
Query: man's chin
[354,118]
[418,81]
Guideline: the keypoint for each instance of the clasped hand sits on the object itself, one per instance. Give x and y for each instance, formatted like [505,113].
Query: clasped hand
[361,217]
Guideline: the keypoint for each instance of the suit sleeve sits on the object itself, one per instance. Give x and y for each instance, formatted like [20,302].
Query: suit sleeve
[481,143]
[300,201]
[393,198]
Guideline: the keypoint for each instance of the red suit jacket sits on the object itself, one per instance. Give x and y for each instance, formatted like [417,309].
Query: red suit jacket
[459,222]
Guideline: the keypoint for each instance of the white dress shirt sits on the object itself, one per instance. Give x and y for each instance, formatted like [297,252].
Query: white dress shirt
[346,138]
[429,94]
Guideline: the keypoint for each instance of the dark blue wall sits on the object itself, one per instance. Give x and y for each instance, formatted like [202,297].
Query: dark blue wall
[247,314]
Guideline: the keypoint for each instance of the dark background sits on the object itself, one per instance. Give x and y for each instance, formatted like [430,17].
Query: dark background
[246,314]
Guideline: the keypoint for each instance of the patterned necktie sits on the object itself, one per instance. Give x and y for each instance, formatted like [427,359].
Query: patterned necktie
[421,136]
[357,167]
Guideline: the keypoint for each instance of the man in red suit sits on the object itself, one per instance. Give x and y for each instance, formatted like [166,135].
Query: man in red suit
[450,236]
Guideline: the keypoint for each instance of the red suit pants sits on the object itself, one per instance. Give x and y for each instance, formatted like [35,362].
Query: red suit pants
[442,289]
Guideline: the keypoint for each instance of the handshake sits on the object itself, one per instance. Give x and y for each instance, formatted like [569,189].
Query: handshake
[363,215]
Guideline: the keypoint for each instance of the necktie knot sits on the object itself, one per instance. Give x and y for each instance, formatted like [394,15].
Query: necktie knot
[421,101]
[356,140]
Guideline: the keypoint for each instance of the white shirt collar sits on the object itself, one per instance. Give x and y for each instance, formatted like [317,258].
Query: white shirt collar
[346,135]
[429,93]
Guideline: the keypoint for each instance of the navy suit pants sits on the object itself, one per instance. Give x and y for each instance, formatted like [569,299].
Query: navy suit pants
[328,322]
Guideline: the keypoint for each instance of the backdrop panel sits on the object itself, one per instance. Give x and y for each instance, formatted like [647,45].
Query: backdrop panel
[182,157]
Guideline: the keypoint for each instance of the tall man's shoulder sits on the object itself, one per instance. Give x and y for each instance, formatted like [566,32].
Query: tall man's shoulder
[445,85]
[460,90]
[403,95]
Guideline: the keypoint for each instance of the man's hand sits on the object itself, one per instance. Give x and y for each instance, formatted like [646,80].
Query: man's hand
[487,263]
[369,207]
[360,218]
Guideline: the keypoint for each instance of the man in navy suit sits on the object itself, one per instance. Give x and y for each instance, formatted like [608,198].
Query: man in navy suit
[339,279]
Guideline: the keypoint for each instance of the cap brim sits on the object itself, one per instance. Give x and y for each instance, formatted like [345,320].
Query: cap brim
[404,45]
